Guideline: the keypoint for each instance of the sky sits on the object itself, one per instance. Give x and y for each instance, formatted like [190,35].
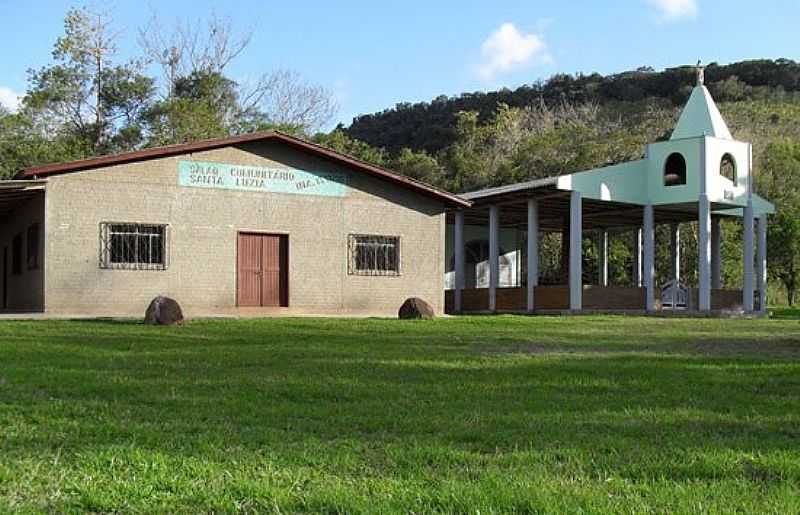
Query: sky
[374,54]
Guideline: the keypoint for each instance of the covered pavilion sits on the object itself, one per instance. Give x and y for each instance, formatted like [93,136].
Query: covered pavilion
[701,174]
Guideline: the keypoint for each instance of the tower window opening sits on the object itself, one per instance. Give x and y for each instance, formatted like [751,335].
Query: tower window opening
[675,170]
[727,168]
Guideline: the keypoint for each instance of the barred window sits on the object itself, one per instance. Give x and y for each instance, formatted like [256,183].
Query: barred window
[133,246]
[374,255]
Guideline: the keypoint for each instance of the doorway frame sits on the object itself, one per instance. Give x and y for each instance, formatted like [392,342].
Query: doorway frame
[257,232]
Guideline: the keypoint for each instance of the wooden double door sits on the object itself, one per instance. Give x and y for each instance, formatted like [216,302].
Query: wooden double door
[263,270]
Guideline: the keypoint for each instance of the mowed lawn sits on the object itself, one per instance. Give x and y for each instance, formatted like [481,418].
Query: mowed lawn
[475,414]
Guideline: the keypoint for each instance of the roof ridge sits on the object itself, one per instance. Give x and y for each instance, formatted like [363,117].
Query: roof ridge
[209,144]
[89,162]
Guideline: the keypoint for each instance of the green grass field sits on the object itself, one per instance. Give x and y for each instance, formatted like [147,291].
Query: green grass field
[477,414]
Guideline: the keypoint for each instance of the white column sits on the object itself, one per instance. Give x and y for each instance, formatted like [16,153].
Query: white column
[716,253]
[675,258]
[761,276]
[602,258]
[575,252]
[494,255]
[747,288]
[459,258]
[533,252]
[675,252]
[648,268]
[703,252]
[637,257]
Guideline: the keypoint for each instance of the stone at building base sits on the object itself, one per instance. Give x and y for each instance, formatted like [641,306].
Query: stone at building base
[163,311]
[416,309]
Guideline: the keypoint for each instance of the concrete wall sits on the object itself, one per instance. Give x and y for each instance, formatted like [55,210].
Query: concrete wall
[203,229]
[660,194]
[721,189]
[26,290]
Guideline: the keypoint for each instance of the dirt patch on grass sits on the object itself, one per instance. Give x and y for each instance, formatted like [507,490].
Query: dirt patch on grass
[778,348]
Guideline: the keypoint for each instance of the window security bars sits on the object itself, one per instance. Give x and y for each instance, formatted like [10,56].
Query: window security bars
[374,255]
[128,246]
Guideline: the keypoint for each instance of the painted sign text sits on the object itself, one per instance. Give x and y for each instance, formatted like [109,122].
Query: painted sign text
[256,178]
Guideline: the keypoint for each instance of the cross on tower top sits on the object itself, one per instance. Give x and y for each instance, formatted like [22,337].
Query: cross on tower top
[701,73]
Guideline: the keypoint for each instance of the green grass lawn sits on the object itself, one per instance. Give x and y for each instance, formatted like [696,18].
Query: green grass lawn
[475,414]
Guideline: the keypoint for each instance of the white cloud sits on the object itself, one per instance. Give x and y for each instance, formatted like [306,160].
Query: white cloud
[675,9]
[9,98]
[507,49]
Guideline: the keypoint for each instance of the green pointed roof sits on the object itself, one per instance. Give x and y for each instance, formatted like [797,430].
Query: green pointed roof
[701,117]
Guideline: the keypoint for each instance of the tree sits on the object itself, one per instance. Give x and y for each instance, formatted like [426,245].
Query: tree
[730,90]
[420,166]
[280,98]
[24,142]
[778,182]
[84,94]
[519,144]
[205,47]
[202,105]
[286,99]
[339,141]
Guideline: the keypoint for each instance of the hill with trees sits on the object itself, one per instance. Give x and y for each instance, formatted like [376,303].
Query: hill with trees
[432,126]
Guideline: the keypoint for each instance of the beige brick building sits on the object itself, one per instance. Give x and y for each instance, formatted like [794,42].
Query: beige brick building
[257,224]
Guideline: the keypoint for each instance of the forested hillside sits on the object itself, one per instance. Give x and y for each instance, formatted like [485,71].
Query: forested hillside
[431,126]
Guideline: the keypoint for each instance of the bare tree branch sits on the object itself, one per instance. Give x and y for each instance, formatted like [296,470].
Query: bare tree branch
[287,99]
[204,46]
[282,97]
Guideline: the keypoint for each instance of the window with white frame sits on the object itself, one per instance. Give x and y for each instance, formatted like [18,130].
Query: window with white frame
[133,246]
[371,254]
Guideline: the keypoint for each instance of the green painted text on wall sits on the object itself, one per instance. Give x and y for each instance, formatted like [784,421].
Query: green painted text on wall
[258,178]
